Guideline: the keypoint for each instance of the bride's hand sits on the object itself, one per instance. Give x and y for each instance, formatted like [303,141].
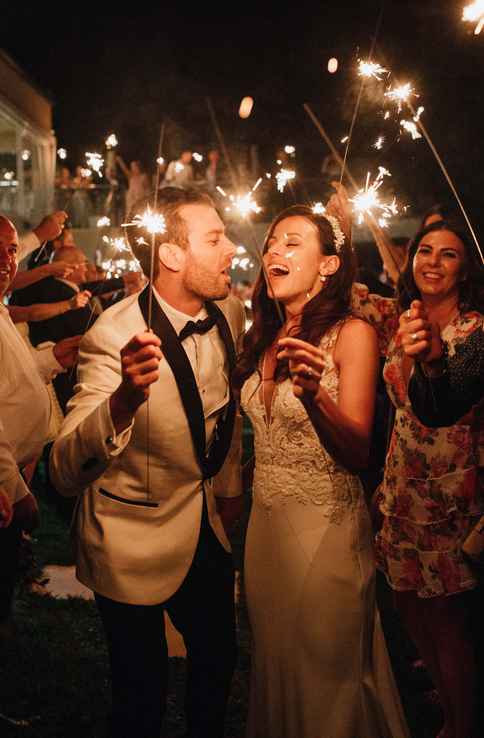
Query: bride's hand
[306,365]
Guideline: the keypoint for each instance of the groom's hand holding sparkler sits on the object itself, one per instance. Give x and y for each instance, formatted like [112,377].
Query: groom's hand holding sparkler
[140,359]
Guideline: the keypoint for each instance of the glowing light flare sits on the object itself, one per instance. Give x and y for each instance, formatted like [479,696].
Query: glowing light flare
[290,149]
[94,162]
[151,221]
[371,70]
[332,65]
[111,141]
[245,108]
[119,243]
[103,222]
[379,143]
[283,177]
[198,157]
[411,128]
[401,94]
[26,155]
[474,13]
[9,176]
[318,208]
[62,153]
[344,139]
[86,173]
[367,201]
[160,161]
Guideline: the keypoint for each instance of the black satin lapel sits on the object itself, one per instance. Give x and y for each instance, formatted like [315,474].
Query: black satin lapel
[179,363]
[225,332]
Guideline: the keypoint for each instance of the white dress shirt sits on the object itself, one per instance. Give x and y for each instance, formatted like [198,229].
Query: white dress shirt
[206,353]
[24,404]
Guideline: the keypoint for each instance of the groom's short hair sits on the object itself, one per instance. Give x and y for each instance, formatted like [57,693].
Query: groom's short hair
[168,204]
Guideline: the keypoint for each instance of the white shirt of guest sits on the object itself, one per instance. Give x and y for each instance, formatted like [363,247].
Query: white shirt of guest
[24,405]
[207,356]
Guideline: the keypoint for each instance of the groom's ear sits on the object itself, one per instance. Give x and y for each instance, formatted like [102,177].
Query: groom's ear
[171,256]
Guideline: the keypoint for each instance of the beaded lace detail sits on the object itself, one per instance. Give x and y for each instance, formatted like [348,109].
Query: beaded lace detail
[291,464]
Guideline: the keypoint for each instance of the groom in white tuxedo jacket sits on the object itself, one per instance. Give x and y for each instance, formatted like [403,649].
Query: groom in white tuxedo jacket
[147,532]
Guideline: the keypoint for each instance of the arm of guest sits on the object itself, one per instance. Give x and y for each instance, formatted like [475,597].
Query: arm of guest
[11,480]
[49,228]
[88,441]
[39,311]
[391,255]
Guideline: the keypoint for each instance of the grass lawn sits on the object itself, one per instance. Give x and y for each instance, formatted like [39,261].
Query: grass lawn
[54,672]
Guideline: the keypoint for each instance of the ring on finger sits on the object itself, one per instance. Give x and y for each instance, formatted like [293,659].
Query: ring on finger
[414,337]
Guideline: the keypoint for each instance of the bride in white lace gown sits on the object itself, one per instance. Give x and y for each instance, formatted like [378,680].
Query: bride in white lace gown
[319,663]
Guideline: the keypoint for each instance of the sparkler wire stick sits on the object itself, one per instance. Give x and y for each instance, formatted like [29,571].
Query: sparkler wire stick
[360,93]
[352,180]
[449,180]
[221,141]
[41,250]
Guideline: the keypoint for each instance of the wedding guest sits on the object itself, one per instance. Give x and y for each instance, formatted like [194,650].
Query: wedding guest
[138,182]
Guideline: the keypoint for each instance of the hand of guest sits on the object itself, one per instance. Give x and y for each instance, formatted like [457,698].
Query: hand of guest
[419,338]
[140,359]
[67,351]
[6,510]
[26,513]
[339,206]
[80,300]
[58,269]
[51,226]
[306,366]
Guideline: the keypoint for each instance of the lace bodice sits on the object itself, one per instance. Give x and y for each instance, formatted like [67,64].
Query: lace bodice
[291,464]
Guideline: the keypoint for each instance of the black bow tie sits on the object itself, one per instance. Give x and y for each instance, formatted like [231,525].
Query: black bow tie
[201,326]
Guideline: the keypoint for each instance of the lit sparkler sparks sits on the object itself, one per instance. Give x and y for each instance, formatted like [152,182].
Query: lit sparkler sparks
[474,13]
[62,153]
[198,157]
[244,205]
[26,155]
[284,176]
[119,243]
[103,222]
[241,260]
[118,267]
[401,94]
[95,162]
[379,142]
[411,128]
[318,208]
[367,201]
[290,149]
[111,141]
[151,221]
[160,161]
[371,70]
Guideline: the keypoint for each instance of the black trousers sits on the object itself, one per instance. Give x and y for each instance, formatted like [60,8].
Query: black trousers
[202,610]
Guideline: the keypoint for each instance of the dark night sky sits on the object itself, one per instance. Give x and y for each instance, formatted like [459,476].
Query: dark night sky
[110,71]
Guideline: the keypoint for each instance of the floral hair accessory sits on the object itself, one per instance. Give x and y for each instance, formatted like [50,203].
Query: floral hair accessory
[339,236]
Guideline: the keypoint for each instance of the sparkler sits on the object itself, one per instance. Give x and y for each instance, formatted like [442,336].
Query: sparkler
[160,161]
[371,70]
[149,220]
[379,142]
[62,153]
[318,208]
[411,127]
[25,155]
[103,222]
[95,162]
[111,141]
[291,150]
[118,243]
[401,94]
[474,13]
[367,202]
[284,176]
[198,157]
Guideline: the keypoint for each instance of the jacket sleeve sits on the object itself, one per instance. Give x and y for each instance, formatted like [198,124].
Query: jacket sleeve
[87,442]
[442,401]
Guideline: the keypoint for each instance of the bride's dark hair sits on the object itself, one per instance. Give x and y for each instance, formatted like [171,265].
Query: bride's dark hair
[330,305]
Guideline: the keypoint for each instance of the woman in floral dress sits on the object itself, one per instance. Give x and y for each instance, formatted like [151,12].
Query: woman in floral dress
[431,496]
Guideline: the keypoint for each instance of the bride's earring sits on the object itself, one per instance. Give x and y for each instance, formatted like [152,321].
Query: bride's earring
[323,277]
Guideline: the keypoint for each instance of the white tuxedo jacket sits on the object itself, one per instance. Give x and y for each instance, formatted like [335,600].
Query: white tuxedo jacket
[135,543]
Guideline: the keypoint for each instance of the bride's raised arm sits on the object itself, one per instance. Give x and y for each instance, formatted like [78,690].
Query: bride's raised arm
[343,427]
